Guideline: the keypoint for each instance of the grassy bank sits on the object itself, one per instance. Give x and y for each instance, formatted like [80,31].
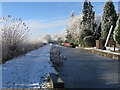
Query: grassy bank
[110,54]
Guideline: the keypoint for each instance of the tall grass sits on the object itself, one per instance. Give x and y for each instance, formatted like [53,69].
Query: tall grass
[15,38]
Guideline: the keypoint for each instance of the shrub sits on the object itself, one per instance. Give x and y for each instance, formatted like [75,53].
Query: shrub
[85,33]
[89,41]
[15,38]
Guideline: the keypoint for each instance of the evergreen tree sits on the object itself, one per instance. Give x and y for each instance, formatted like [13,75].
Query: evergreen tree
[109,17]
[88,24]
[85,13]
[72,15]
[98,32]
[116,34]
[91,17]
[68,36]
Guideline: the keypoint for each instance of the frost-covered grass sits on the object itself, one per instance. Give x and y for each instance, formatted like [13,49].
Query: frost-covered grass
[112,49]
[109,50]
[15,38]
[27,71]
[21,49]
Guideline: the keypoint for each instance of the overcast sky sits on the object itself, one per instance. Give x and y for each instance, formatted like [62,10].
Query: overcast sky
[47,17]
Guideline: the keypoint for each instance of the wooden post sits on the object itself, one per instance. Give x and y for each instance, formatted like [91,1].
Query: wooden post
[114,47]
[108,36]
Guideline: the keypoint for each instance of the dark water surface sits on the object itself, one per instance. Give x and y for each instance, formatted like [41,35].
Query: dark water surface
[86,70]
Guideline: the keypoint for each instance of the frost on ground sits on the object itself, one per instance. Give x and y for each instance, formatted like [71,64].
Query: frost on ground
[107,51]
[27,71]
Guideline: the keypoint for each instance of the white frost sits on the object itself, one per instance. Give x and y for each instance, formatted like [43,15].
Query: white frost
[27,71]
[107,51]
